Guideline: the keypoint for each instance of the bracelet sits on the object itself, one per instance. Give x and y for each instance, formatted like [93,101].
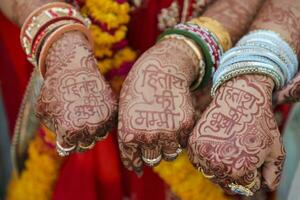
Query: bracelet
[56,34]
[243,68]
[243,51]
[215,49]
[198,53]
[39,23]
[272,37]
[217,29]
[203,46]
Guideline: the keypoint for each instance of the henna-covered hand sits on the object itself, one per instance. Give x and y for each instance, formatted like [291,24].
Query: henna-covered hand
[75,99]
[155,109]
[237,137]
[290,93]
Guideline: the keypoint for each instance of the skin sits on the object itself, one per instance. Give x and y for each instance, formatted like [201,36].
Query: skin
[75,97]
[237,139]
[80,113]
[141,93]
[287,24]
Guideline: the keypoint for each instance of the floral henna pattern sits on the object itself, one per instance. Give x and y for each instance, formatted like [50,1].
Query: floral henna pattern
[156,113]
[75,98]
[290,93]
[238,134]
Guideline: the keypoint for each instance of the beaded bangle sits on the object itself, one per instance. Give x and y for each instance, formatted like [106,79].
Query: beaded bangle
[274,38]
[196,50]
[275,48]
[288,65]
[37,24]
[217,29]
[248,68]
[203,46]
[215,48]
[251,51]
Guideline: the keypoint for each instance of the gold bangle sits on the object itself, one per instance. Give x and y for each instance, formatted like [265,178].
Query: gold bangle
[217,29]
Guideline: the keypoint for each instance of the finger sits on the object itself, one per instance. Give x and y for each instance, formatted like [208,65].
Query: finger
[170,149]
[251,181]
[272,168]
[151,154]
[131,156]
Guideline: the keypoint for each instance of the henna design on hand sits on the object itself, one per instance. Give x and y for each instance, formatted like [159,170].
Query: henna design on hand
[156,112]
[75,97]
[289,93]
[238,134]
[282,17]
[234,15]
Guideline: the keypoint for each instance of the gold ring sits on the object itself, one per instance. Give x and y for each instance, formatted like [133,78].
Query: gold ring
[241,190]
[204,174]
[250,185]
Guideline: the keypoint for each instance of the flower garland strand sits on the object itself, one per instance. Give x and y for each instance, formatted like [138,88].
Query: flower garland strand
[186,182]
[38,179]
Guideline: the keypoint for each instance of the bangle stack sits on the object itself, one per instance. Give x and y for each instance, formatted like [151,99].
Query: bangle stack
[209,37]
[259,52]
[45,25]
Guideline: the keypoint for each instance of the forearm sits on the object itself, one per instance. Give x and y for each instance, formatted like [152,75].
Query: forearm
[18,10]
[282,17]
[234,15]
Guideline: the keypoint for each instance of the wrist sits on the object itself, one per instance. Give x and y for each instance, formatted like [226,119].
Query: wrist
[68,51]
[180,49]
[263,83]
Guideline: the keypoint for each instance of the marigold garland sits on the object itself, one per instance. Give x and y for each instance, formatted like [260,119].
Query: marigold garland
[186,182]
[124,55]
[41,171]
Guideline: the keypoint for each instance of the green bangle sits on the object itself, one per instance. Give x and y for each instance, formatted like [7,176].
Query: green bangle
[205,50]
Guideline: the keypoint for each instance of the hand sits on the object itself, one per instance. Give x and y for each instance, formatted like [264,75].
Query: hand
[237,135]
[75,99]
[290,93]
[156,112]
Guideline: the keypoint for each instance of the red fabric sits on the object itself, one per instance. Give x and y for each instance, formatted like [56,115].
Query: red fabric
[14,69]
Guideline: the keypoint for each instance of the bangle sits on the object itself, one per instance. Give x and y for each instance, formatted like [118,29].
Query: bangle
[242,68]
[56,34]
[217,29]
[196,50]
[203,46]
[283,48]
[38,25]
[243,51]
[268,45]
[215,49]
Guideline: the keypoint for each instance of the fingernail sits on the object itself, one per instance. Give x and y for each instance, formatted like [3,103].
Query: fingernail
[139,173]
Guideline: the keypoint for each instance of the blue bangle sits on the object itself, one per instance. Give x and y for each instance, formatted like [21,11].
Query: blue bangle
[272,46]
[276,38]
[252,51]
[248,68]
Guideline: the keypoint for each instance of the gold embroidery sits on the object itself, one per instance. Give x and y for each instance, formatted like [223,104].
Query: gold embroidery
[168,17]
